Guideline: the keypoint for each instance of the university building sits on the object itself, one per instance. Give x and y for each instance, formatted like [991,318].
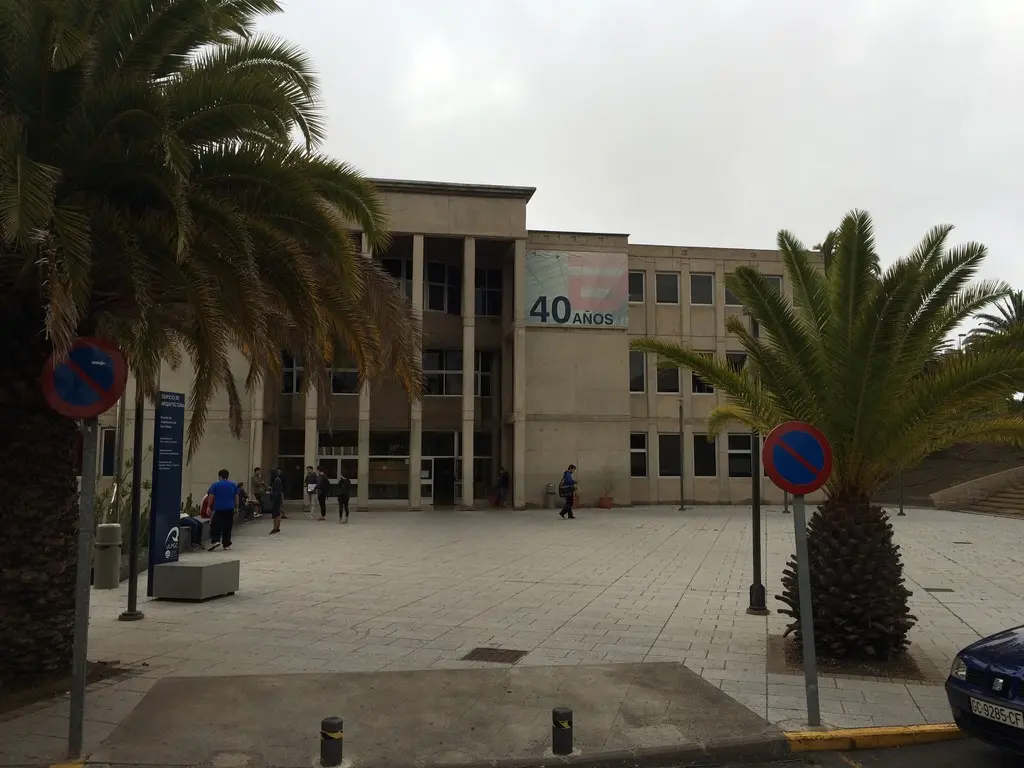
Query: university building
[526,365]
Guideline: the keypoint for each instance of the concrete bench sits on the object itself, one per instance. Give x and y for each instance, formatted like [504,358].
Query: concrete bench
[185,535]
[196,578]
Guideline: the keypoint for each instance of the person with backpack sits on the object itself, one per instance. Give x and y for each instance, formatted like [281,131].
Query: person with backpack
[323,490]
[344,492]
[567,490]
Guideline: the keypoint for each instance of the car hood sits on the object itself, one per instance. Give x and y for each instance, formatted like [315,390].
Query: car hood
[1004,648]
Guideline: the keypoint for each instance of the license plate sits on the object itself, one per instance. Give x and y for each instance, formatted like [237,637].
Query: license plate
[1011,717]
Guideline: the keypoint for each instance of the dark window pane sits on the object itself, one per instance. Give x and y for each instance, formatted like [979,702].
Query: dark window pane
[492,304]
[454,300]
[453,360]
[484,361]
[344,383]
[484,386]
[481,303]
[638,464]
[438,443]
[432,360]
[287,360]
[702,289]
[291,442]
[109,453]
[668,380]
[739,465]
[347,438]
[436,272]
[433,384]
[736,360]
[393,267]
[453,384]
[482,444]
[454,276]
[666,287]
[775,280]
[636,371]
[435,297]
[731,299]
[739,442]
[705,462]
[636,287]
[670,456]
[638,441]
[389,444]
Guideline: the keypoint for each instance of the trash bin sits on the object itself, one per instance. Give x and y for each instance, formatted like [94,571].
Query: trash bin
[549,496]
[107,558]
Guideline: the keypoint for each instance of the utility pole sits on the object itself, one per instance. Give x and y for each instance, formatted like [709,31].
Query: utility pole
[758,598]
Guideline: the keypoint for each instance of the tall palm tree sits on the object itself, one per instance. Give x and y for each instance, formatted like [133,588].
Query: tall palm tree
[152,192]
[856,353]
[1009,315]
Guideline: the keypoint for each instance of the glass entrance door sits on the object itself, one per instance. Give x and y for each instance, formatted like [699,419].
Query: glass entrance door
[427,481]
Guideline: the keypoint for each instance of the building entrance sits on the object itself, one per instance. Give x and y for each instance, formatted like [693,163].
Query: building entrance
[444,482]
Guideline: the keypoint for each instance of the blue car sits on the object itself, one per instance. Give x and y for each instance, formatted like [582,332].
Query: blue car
[985,689]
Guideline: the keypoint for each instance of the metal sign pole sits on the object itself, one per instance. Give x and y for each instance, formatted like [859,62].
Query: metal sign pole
[803,572]
[682,457]
[86,523]
[132,612]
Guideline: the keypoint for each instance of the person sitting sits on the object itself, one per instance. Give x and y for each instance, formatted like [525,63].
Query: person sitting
[195,529]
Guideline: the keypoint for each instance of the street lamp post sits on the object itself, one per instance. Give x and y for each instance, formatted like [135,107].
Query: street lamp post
[758,606]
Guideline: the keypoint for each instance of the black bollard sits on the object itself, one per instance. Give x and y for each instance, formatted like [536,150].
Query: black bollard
[561,731]
[331,740]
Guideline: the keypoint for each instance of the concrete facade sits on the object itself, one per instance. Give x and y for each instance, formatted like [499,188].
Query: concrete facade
[542,397]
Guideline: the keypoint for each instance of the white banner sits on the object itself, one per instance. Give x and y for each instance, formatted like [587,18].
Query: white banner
[577,288]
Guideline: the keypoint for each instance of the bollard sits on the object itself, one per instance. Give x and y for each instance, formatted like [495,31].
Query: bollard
[561,731]
[331,739]
[106,562]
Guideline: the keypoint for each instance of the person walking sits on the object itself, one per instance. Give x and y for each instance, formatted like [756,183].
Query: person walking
[224,494]
[323,490]
[567,490]
[344,493]
[276,499]
[503,484]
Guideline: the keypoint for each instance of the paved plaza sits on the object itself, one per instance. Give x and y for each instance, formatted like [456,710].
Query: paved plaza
[400,591]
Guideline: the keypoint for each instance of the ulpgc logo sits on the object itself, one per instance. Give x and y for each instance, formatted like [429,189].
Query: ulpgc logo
[171,542]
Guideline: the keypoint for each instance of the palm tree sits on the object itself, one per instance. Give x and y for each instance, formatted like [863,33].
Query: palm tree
[857,353]
[152,193]
[1010,315]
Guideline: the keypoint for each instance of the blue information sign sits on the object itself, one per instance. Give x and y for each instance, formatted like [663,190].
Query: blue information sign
[168,457]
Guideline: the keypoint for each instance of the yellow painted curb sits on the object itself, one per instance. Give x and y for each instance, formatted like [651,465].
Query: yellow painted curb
[77,764]
[871,738]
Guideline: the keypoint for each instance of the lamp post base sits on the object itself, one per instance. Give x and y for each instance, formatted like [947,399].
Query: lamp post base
[757,601]
[131,616]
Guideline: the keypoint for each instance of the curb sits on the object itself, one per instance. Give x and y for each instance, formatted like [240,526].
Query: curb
[871,738]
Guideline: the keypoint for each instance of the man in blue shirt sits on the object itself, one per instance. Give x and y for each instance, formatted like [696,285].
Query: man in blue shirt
[224,494]
[567,488]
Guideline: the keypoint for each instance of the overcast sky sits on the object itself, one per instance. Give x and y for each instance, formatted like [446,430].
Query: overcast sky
[692,123]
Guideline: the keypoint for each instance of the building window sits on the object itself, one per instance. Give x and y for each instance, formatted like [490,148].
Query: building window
[666,287]
[442,372]
[670,455]
[697,385]
[442,290]
[668,380]
[108,452]
[291,379]
[638,454]
[345,379]
[705,461]
[776,281]
[483,373]
[637,372]
[731,299]
[736,360]
[488,292]
[740,464]
[636,287]
[401,270]
[702,289]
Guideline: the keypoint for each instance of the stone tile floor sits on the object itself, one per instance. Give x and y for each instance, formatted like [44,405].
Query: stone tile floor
[400,590]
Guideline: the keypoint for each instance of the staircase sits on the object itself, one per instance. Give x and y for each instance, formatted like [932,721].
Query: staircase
[1009,501]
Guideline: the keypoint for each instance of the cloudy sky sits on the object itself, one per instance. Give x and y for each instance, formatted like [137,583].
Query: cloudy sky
[686,122]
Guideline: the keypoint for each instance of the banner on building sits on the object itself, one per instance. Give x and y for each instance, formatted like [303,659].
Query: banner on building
[168,457]
[579,289]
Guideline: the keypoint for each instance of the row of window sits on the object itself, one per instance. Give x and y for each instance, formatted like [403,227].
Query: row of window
[442,286]
[666,288]
[668,379]
[705,455]
[442,374]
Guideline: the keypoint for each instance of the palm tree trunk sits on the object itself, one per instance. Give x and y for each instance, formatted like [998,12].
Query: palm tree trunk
[857,586]
[38,508]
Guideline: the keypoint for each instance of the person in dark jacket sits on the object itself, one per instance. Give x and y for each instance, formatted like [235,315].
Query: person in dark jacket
[323,490]
[344,492]
[503,484]
[276,499]
[567,488]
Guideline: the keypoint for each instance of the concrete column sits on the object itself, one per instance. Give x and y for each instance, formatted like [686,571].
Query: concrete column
[256,416]
[312,437]
[362,500]
[519,377]
[416,409]
[468,367]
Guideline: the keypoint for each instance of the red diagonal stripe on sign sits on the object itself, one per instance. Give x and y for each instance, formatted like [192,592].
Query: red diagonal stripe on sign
[792,452]
[77,370]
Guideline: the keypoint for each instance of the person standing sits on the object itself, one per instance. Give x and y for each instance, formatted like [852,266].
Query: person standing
[344,493]
[312,481]
[260,491]
[503,484]
[567,490]
[323,490]
[224,494]
[276,499]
